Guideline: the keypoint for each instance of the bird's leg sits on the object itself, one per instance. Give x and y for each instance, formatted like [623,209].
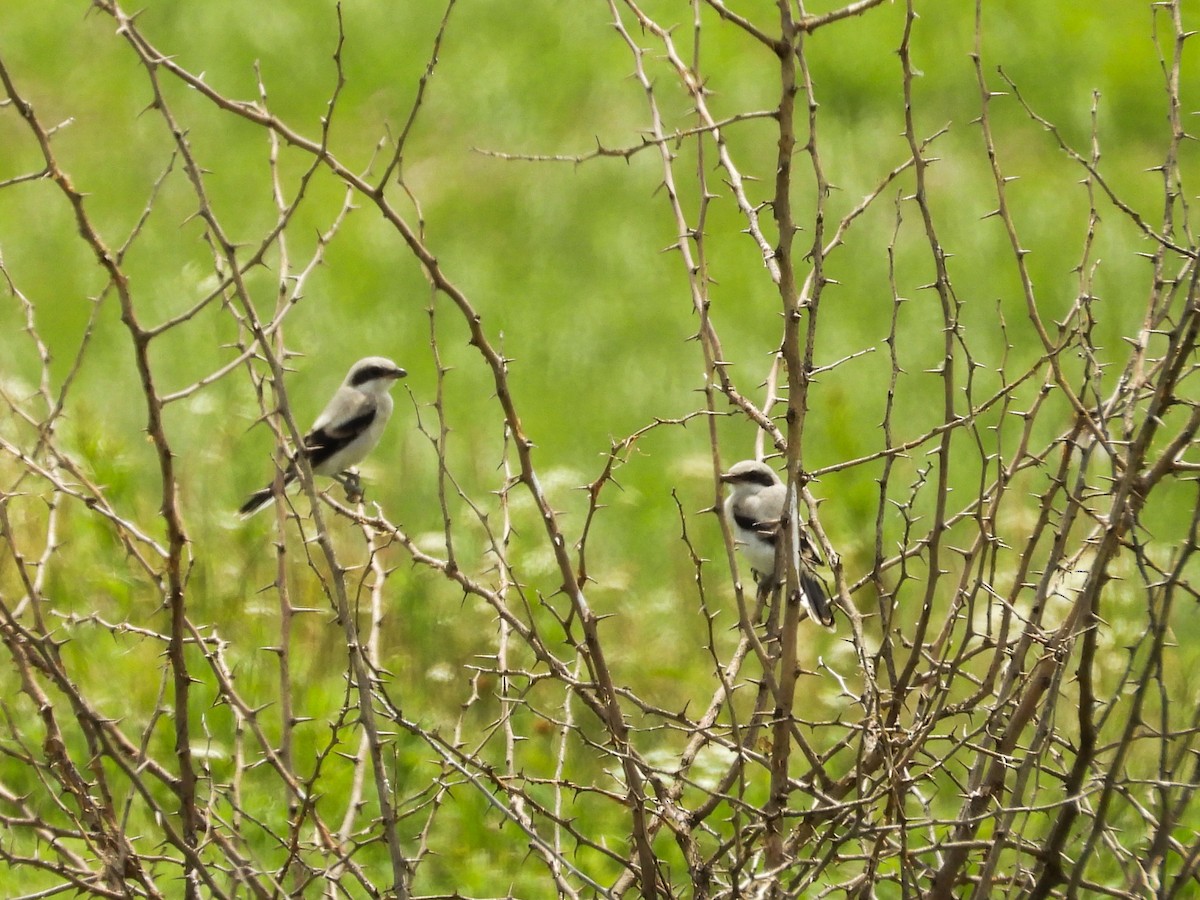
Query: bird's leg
[351,482]
[768,595]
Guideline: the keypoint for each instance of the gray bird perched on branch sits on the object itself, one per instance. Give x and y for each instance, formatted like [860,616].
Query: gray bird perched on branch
[754,510]
[346,431]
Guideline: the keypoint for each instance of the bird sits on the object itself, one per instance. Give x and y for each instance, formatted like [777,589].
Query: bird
[346,431]
[754,511]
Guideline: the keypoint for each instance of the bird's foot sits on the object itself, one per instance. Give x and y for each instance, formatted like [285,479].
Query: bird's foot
[353,485]
[767,602]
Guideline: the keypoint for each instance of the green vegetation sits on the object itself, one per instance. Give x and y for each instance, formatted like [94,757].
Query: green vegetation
[565,263]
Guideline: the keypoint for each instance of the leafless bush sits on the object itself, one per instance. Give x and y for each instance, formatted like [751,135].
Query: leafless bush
[1017,717]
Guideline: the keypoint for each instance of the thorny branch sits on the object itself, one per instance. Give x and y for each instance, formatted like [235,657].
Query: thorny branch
[986,723]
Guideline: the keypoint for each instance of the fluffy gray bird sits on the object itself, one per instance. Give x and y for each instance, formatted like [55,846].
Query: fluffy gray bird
[347,430]
[754,510]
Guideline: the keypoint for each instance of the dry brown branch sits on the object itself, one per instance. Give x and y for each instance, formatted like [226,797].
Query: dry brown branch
[1007,708]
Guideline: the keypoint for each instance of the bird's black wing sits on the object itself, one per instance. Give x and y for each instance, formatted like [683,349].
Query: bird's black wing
[809,552]
[768,530]
[322,443]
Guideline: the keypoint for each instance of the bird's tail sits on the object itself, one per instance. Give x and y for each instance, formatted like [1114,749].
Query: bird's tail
[263,498]
[815,599]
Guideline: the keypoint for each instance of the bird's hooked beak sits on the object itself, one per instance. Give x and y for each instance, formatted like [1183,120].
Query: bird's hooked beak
[398,373]
[727,478]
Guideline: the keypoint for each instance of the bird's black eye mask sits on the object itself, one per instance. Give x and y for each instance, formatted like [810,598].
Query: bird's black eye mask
[758,477]
[372,372]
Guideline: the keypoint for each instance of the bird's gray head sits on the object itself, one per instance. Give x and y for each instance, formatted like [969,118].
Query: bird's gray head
[375,374]
[750,476]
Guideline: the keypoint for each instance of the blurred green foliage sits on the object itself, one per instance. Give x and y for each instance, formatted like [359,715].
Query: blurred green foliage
[564,262]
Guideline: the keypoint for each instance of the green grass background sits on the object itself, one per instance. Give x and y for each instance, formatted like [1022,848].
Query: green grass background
[564,262]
